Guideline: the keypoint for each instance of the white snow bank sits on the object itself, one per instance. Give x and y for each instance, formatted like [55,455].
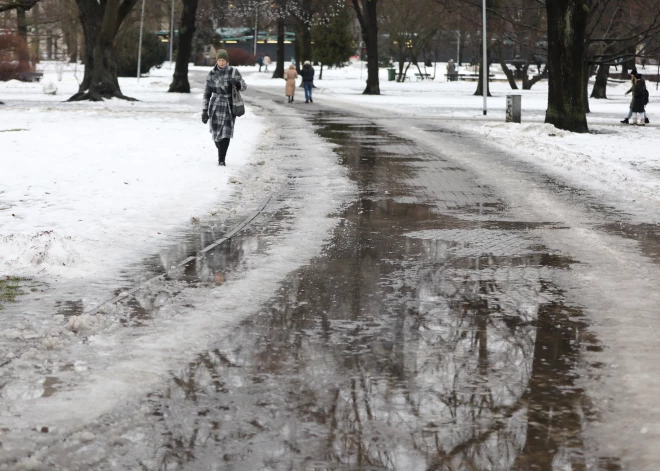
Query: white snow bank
[88,187]
[616,159]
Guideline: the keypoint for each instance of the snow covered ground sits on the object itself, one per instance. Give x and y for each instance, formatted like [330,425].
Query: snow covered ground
[88,191]
[87,186]
[613,157]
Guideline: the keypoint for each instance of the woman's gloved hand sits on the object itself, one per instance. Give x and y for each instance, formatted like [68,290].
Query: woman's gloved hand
[234,83]
[205,116]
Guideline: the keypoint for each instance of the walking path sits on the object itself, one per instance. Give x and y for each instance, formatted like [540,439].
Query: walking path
[412,298]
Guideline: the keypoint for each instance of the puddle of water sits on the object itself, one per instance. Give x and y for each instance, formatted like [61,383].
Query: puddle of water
[648,236]
[390,352]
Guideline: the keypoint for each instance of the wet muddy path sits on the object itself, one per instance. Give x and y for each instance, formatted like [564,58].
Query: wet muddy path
[429,335]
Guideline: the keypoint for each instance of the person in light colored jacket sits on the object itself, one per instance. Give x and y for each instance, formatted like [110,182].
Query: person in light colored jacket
[290,76]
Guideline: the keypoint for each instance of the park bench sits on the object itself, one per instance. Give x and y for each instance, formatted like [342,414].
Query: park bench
[398,77]
[465,76]
[423,77]
[30,76]
[451,77]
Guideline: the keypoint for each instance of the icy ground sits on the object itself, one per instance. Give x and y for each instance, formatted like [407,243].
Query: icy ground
[613,157]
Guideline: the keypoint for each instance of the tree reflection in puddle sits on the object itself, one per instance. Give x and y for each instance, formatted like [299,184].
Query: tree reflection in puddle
[393,351]
[387,353]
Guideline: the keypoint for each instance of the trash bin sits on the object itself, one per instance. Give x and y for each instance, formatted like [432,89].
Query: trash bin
[513,111]
[391,75]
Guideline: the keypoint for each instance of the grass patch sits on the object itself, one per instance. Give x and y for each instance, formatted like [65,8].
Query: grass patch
[13,130]
[10,288]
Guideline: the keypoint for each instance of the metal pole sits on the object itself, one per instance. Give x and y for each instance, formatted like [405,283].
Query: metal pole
[140,42]
[484,66]
[171,34]
[256,25]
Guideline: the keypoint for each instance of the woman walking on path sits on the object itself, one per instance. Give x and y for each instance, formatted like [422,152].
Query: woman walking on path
[218,103]
[290,76]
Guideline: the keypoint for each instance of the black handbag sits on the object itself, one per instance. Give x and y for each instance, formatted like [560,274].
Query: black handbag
[237,105]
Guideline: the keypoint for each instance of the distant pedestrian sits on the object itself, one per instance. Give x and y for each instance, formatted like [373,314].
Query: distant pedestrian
[634,79]
[260,61]
[217,104]
[640,99]
[451,70]
[267,61]
[290,76]
[308,81]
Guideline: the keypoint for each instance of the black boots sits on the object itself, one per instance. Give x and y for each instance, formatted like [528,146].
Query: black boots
[646,120]
[624,121]
[222,146]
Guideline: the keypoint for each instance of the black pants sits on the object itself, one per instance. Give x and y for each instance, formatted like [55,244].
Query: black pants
[222,145]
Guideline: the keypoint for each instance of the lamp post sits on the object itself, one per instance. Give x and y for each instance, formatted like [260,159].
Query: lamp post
[256,26]
[484,65]
[140,42]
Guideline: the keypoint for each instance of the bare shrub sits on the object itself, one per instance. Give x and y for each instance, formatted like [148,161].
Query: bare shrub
[240,57]
[12,47]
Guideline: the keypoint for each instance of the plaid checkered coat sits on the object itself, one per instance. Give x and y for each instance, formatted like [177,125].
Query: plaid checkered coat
[217,100]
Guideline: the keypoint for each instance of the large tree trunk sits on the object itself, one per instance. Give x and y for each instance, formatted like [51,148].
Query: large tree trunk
[368,17]
[567,20]
[180,82]
[600,87]
[100,26]
[480,85]
[279,65]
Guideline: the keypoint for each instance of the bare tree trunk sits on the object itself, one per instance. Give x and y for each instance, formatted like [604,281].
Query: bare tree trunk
[100,24]
[600,87]
[480,86]
[23,52]
[509,75]
[180,82]
[36,42]
[279,65]
[71,41]
[567,20]
[368,17]
[585,82]
[529,83]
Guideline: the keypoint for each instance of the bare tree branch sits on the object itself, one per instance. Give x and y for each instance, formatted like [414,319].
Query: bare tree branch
[6,5]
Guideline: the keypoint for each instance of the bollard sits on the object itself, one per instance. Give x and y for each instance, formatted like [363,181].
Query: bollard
[513,108]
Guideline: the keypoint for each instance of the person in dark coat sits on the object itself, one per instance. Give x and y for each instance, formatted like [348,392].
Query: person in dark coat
[308,81]
[633,77]
[639,100]
[217,106]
